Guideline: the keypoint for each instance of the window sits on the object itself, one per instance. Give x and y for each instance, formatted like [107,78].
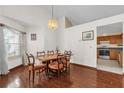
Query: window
[12,42]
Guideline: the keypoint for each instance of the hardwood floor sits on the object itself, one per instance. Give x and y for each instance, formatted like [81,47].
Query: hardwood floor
[79,77]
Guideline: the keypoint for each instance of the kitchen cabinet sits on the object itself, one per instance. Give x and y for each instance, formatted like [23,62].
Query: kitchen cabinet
[121,58]
[113,54]
[114,39]
[97,53]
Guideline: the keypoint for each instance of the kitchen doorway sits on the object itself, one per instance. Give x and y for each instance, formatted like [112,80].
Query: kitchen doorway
[110,48]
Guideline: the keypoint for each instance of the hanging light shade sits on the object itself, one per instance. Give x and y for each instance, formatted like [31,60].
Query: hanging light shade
[52,23]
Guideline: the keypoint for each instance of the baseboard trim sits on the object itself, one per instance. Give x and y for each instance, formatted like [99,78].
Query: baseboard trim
[92,68]
[110,72]
[16,67]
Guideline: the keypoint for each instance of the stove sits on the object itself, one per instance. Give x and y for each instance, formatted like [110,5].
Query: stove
[104,51]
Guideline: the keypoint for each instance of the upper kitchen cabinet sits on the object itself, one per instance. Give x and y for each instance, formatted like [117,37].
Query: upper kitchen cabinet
[114,39]
[112,33]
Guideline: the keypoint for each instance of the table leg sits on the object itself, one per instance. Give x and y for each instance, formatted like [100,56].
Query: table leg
[47,72]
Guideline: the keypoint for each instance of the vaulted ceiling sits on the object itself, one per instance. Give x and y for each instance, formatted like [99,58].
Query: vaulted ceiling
[115,28]
[78,14]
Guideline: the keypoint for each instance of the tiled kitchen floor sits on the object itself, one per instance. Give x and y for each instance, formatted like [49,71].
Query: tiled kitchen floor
[109,65]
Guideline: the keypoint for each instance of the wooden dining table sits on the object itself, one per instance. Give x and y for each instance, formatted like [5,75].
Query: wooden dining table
[47,58]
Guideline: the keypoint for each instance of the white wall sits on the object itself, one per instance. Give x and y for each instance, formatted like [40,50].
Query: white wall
[46,39]
[60,33]
[13,62]
[37,45]
[11,23]
[50,40]
[85,51]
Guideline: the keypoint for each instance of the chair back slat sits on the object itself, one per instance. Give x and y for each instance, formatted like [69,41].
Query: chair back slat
[40,53]
[60,59]
[31,59]
[50,52]
[68,57]
[68,52]
[57,51]
[65,52]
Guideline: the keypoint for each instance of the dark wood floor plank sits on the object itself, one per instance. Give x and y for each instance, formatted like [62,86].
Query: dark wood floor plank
[79,77]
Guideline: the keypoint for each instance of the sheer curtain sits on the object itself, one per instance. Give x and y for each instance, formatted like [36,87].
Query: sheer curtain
[23,48]
[3,54]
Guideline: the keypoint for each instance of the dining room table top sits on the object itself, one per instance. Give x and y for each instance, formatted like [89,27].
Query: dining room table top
[47,57]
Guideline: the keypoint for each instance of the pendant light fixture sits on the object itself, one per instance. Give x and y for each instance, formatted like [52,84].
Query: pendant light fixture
[52,23]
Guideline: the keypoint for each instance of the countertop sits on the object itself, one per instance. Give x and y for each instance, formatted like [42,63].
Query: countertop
[110,46]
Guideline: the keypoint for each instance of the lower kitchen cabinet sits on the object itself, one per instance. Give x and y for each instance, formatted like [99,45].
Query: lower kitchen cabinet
[113,54]
[121,57]
[97,53]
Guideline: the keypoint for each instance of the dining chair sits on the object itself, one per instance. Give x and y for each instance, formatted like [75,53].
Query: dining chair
[70,53]
[39,54]
[65,52]
[50,52]
[56,66]
[57,51]
[67,61]
[34,65]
